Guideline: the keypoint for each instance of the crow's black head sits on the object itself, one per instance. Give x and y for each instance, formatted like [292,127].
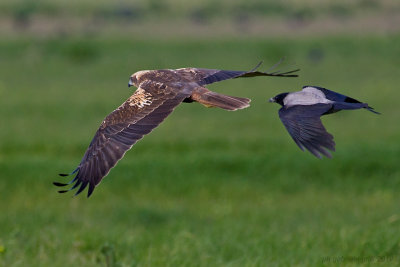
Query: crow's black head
[278,98]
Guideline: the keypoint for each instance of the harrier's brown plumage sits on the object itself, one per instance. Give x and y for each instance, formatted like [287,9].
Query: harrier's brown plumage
[158,93]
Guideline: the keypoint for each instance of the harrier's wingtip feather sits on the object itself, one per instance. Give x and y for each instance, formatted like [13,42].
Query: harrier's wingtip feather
[257,66]
[68,174]
[59,184]
[291,71]
[276,64]
[91,188]
[83,186]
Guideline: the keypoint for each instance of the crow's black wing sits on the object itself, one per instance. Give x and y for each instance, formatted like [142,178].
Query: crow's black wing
[304,125]
[333,96]
[343,101]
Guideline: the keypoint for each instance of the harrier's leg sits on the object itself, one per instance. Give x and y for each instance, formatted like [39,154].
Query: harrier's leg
[213,99]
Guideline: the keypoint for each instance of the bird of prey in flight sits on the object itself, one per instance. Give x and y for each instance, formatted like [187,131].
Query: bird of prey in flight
[301,112]
[158,93]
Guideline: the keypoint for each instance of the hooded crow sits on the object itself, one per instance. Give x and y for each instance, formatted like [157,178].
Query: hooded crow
[301,112]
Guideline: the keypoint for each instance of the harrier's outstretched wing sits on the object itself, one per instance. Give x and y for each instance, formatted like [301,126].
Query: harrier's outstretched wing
[304,125]
[121,129]
[208,76]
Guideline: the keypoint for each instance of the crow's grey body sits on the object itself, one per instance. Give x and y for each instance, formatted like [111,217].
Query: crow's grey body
[307,96]
[301,112]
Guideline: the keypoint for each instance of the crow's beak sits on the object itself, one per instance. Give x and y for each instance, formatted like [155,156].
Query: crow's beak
[271,100]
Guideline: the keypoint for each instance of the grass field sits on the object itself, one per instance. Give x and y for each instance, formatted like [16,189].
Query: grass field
[208,187]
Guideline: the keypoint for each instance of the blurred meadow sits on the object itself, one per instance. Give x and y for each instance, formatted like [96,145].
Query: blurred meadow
[207,187]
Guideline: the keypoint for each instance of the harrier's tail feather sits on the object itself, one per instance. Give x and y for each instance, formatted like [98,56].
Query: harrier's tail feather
[213,99]
[224,101]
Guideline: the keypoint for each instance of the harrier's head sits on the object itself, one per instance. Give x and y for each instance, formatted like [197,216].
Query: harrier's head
[137,78]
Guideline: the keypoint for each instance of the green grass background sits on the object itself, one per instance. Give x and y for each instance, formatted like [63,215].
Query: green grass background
[208,187]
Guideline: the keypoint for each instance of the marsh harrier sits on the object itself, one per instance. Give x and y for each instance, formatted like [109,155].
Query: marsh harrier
[158,93]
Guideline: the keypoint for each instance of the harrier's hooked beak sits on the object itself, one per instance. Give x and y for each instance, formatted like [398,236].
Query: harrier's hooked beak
[272,100]
[130,83]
